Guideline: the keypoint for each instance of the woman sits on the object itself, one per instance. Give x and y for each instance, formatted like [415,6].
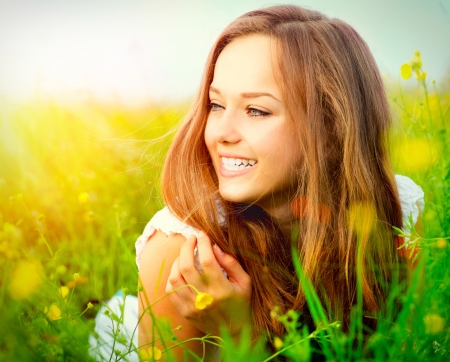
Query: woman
[288,133]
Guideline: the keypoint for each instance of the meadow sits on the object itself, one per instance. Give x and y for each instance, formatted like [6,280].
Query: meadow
[78,185]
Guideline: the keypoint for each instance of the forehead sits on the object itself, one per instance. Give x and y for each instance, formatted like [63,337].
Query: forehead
[247,64]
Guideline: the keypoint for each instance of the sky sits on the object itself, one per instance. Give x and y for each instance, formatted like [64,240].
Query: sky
[136,52]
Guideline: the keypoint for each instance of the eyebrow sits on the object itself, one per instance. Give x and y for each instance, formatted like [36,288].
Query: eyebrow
[248,94]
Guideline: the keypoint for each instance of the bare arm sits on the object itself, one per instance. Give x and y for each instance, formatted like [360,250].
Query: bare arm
[158,256]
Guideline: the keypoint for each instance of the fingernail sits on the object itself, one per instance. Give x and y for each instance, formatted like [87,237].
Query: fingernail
[219,250]
[201,234]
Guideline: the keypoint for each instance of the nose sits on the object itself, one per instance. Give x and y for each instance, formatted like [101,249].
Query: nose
[225,127]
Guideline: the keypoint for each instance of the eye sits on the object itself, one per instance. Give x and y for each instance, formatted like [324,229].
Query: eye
[254,112]
[214,107]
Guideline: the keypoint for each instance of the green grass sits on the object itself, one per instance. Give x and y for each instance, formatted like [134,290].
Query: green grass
[78,185]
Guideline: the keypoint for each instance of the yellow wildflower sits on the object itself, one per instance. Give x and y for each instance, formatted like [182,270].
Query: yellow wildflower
[76,281]
[26,278]
[63,291]
[152,353]
[406,71]
[202,300]
[417,154]
[90,305]
[83,198]
[421,76]
[434,323]
[53,313]
[278,343]
[441,243]
[417,60]
[76,276]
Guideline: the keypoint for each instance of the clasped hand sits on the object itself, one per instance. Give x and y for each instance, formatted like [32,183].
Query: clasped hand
[231,297]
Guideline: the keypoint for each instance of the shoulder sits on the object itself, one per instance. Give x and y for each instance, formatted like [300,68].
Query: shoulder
[159,246]
[167,224]
[159,253]
[411,197]
[166,221]
[408,188]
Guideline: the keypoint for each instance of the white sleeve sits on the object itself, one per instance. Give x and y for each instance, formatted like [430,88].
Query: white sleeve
[411,197]
[168,223]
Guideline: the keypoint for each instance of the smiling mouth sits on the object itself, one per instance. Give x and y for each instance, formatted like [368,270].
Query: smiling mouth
[237,164]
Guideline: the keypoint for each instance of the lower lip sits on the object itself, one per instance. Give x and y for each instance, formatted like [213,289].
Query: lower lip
[227,173]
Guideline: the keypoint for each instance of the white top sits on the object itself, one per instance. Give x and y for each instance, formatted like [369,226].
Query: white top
[411,200]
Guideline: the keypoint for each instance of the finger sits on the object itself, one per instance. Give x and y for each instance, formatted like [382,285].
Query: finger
[177,284]
[180,304]
[186,263]
[236,274]
[207,259]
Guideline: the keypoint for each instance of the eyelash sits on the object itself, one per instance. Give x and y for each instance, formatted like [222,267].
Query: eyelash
[259,113]
[212,105]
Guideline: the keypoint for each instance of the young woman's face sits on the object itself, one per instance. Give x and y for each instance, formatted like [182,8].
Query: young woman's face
[252,144]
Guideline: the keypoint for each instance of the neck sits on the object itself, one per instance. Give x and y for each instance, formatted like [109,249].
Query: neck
[283,217]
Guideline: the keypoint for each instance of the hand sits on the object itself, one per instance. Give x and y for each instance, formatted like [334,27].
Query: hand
[231,297]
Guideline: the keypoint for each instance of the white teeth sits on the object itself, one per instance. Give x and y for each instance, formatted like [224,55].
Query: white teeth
[236,164]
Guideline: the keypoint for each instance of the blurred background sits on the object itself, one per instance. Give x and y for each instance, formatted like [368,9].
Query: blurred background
[139,51]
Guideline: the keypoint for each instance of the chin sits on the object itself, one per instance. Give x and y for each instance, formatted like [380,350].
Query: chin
[234,195]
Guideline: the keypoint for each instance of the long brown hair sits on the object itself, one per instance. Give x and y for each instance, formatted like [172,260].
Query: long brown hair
[330,81]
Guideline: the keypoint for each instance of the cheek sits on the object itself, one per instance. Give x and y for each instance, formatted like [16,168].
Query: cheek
[285,154]
[273,146]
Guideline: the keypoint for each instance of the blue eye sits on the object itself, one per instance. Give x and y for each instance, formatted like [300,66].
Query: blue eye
[254,112]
